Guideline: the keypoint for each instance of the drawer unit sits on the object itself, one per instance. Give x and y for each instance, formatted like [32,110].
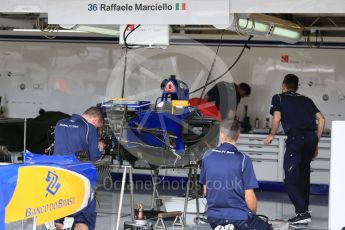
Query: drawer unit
[266,170]
[324,153]
[265,157]
[262,156]
[319,176]
[259,148]
[268,159]
[324,148]
[325,143]
[255,141]
[320,164]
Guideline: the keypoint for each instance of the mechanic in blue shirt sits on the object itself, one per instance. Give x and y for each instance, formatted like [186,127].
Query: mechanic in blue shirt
[298,115]
[79,134]
[229,181]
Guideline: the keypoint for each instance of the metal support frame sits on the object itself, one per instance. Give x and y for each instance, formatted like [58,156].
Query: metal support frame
[187,195]
[162,226]
[123,121]
[34,224]
[192,170]
[130,171]
[196,192]
[25,131]
[155,194]
[178,222]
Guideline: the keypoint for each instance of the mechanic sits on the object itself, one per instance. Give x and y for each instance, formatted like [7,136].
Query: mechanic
[227,97]
[228,179]
[298,115]
[79,134]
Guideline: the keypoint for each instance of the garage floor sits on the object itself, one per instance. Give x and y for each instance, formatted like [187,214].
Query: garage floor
[274,205]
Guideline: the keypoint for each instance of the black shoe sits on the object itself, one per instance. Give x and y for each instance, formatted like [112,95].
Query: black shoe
[301,218]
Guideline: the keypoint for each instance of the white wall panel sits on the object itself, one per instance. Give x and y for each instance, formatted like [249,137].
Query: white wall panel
[337,188]
[72,76]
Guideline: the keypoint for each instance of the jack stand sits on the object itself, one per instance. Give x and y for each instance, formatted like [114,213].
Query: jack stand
[130,171]
[178,222]
[155,194]
[192,170]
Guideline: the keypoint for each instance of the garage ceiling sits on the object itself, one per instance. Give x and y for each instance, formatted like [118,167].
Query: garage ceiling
[326,24]
[323,24]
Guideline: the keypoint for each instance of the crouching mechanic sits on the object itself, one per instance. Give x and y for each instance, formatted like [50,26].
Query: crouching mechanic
[229,181]
[79,134]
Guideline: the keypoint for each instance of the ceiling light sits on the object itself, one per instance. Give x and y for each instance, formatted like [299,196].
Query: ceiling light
[111,30]
[40,31]
[268,26]
[256,26]
[98,30]
[286,33]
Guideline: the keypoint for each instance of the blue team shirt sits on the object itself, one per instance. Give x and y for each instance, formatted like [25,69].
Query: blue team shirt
[297,111]
[227,173]
[75,134]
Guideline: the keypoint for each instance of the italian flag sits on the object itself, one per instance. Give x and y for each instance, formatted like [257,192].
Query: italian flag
[180,6]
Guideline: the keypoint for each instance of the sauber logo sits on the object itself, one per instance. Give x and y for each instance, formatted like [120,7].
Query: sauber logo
[53,183]
[284,58]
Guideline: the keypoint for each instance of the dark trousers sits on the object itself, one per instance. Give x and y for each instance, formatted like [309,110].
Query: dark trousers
[300,147]
[253,223]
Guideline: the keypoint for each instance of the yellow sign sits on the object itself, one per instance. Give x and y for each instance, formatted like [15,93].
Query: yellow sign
[47,193]
[178,103]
